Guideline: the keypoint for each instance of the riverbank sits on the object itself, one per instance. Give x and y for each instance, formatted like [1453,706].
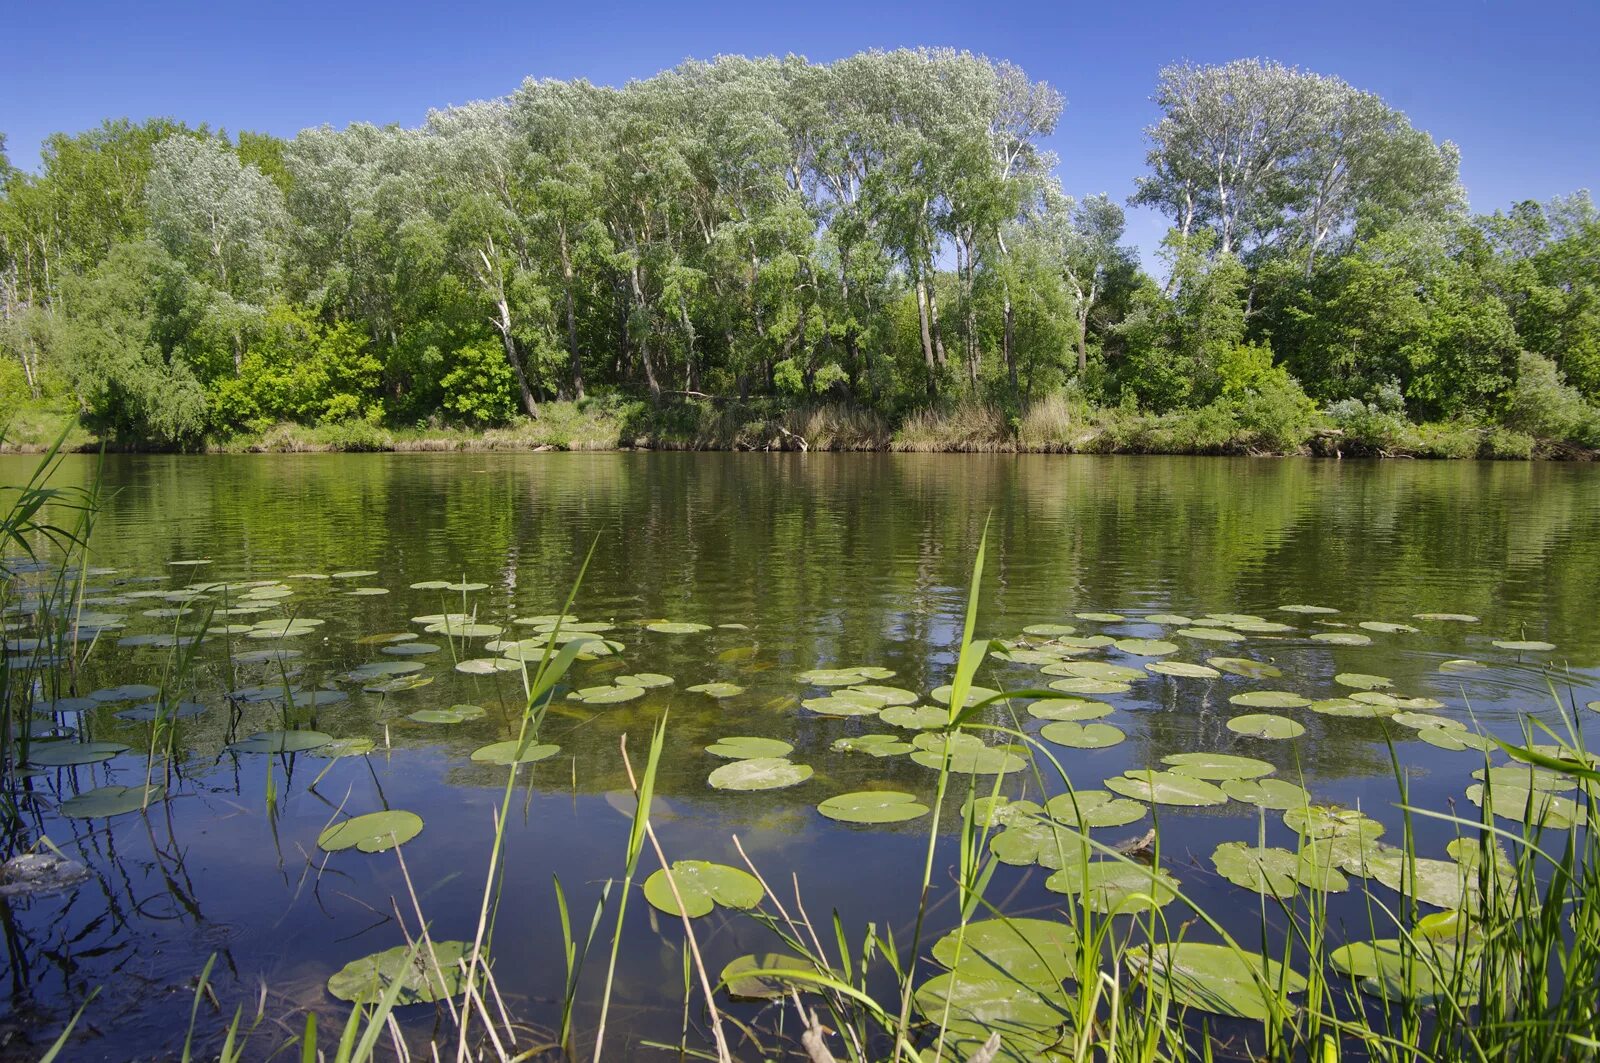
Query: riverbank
[1053,425]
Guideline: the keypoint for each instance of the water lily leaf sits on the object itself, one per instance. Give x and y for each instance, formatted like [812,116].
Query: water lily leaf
[743,985]
[66,754]
[1459,618]
[1146,647]
[1419,967]
[66,705]
[126,692]
[968,754]
[1274,872]
[1269,699]
[1034,952]
[702,885]
[1113,887]
[1217,766]
[1084,642]
[410,649]
[423,977]
[1080,685]
[1525,645]
[676,627]
[1168,620]
[345,747]
[380,669]
[1307,610]
[1261,627]
[151,711]
[1342,638]
[915,717]
[972,1008]
[1217,978]
[1350,708]
[366,592]
[1088,809]
[1386,628]
[504,754]
[1456,740]
[843,703]
[1331,821]
[353,573]
[1267,793]
[1245,666]
[1069,709]
[1363,681]
[717,690]
[644,680]
[843,677]
[759,773]
[1082,735]
[454,714]
[1182,670]
[612,695]
[743,747]
[1101,618]
[873,806]
[974,694]
[877,745]
[1114,673]
[375,832]
[1419,720]
[1539,807]
[1212,634]
[1049,630]
[1167,788]
[281,742]
[1266,725]
[1526,777]
[466,630]
[106,801]
[399,684]
[886,695]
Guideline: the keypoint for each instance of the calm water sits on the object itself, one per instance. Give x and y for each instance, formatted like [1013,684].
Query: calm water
[825,560]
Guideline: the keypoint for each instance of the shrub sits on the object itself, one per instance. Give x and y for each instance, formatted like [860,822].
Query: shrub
[1544,405]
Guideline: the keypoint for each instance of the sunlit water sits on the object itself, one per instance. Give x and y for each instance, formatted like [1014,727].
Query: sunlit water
[824,560]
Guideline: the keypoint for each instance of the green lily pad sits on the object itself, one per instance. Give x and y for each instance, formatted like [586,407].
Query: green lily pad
[1274,872]
[1082,735]
[1218,978]
[873,806]
[1168,620]
[843,677]
[1342,638]
[424,977]
[1084,642]
[281,742]
[1266,725]
[1111,673]
[702,886]
[1101,618]
[1383,627]
[915,717]
[465,630]
[717,690]
[1269,699]
[1307,610]
[106,801]
[844,703]
[1418,720]
[972,1008]
[1211,634]
[504,754]
[1034,952]
[746,748]
[742,984]
[1182,670]
[1217,766]
[968,755]
[1350,708]
[410,649]
[1090,809]
[1080,685]
[126,692]
[454,714]
[759,773]
[71,754]
[886,695]
[1049,630]
[1420,967]
[1459,618]
[1245,666]
[1146,647]
[1331,821]
[1266,793]
[612,695]
[974,694]
[676,627]
[1115,887]
[399,684]
[1076,709]
[1167,788]
[644,680]
[375,832]
[1539,807]
[1456,740]
[1525,645]
[877,745]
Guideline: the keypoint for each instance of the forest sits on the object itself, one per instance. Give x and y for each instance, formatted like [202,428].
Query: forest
[873,252]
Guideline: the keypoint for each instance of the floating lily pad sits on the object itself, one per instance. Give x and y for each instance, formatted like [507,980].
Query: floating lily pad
[1456,740]
[1089,809]
[644,680]
[1069,709]
[1080,685]
[1350,708]
[1114,673]
[1269,699]
[1113,887]
[1267,793]
[1538,807]
[873,806]
[1082,735]
[1420,967]
[915,717]
[375,832]
[410,649]
[843,703]
[972,1008]
[1049,630]
[71,754]
[424,977]
[1342,638]
[106,801]
[1146,647]
[968,755]
[1167,788]
[354,573]
[974,694]
[1182,670]
[345,747]
[465,631]
[1307,610]
[1419,720]
[741,747]
[504,754]
[759,773]
[1245,666]
[1459,618]
[1212,634]
[1102,618]
[1218,978]
[1266,725]
[1525,645]
[843,677]
[1383,627]
[1033,952]
[886,695]
[126,692]
[1363,681]
[454,714]
[1084,642]
[1168,620]
[1274,872]
[877,745]
[702,886]
[151,711]
[612,695]
[1217,766]
[676,627]
[399,684]
[717,690]
[281,742]
[743,984]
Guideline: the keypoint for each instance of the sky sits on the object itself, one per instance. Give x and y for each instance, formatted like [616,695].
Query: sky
[1512,83]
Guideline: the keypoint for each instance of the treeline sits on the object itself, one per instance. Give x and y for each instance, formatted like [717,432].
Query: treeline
[885,232]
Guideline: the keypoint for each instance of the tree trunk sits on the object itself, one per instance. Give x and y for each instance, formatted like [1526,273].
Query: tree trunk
[575,363]
[1008,341]
[503,325]
[927,338]
[644,341]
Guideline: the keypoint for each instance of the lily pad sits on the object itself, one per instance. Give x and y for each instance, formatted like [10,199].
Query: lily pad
[1245,666]
[424,977]
[1115,887]
[1525,645]
[454,714]
[1049,630]
[742,984]
[717,690]
[505,754]
[1274,872]
[843,703]
[1269,699]
[759,773]
[1081,685]
[375,832]
[1217,766]
[1342,638]
[1034,952]
[1076,709]
[974,694]
[1102,618]
[877,745]
[1146,647]
[71,754]
[1182,670]
[1167,788]
[106,801]
[1082,735]
[1266,725]
[1307,610]
[1168,620]
[1090,809]
[1266,793]
[281,742]
[1217,978]
[873,806]
[1538,807]
[1459,618]
[1113,673]
[743,747]
[1211,634]
[1456,740]
[973,1008]
[1420,967]
[644,680]
[915,717]
[702,886]
[676,627]
[612,695]
[1384,627]
[968,755]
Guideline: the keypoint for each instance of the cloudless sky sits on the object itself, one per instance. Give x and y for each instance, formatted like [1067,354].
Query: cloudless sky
[1513,83]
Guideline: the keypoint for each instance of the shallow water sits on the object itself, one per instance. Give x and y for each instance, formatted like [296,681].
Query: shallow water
[825,560]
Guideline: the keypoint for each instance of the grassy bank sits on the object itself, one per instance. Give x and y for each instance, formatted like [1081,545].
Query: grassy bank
[1055,424]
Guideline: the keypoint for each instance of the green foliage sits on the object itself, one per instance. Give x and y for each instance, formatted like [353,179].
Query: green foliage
[480,387]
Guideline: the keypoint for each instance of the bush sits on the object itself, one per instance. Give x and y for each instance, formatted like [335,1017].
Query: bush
[1542,404]
[480,386]
[1503,443]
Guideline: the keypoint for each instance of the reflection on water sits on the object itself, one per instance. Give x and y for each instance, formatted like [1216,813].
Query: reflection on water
[824,560]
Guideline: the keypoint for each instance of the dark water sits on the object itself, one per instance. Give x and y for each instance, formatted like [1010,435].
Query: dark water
[826,560]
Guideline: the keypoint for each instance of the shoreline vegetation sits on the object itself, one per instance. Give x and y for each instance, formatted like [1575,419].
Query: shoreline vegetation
[875,253]
[1058,424]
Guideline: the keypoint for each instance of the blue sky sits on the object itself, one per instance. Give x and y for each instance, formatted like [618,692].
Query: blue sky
[1514,84]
